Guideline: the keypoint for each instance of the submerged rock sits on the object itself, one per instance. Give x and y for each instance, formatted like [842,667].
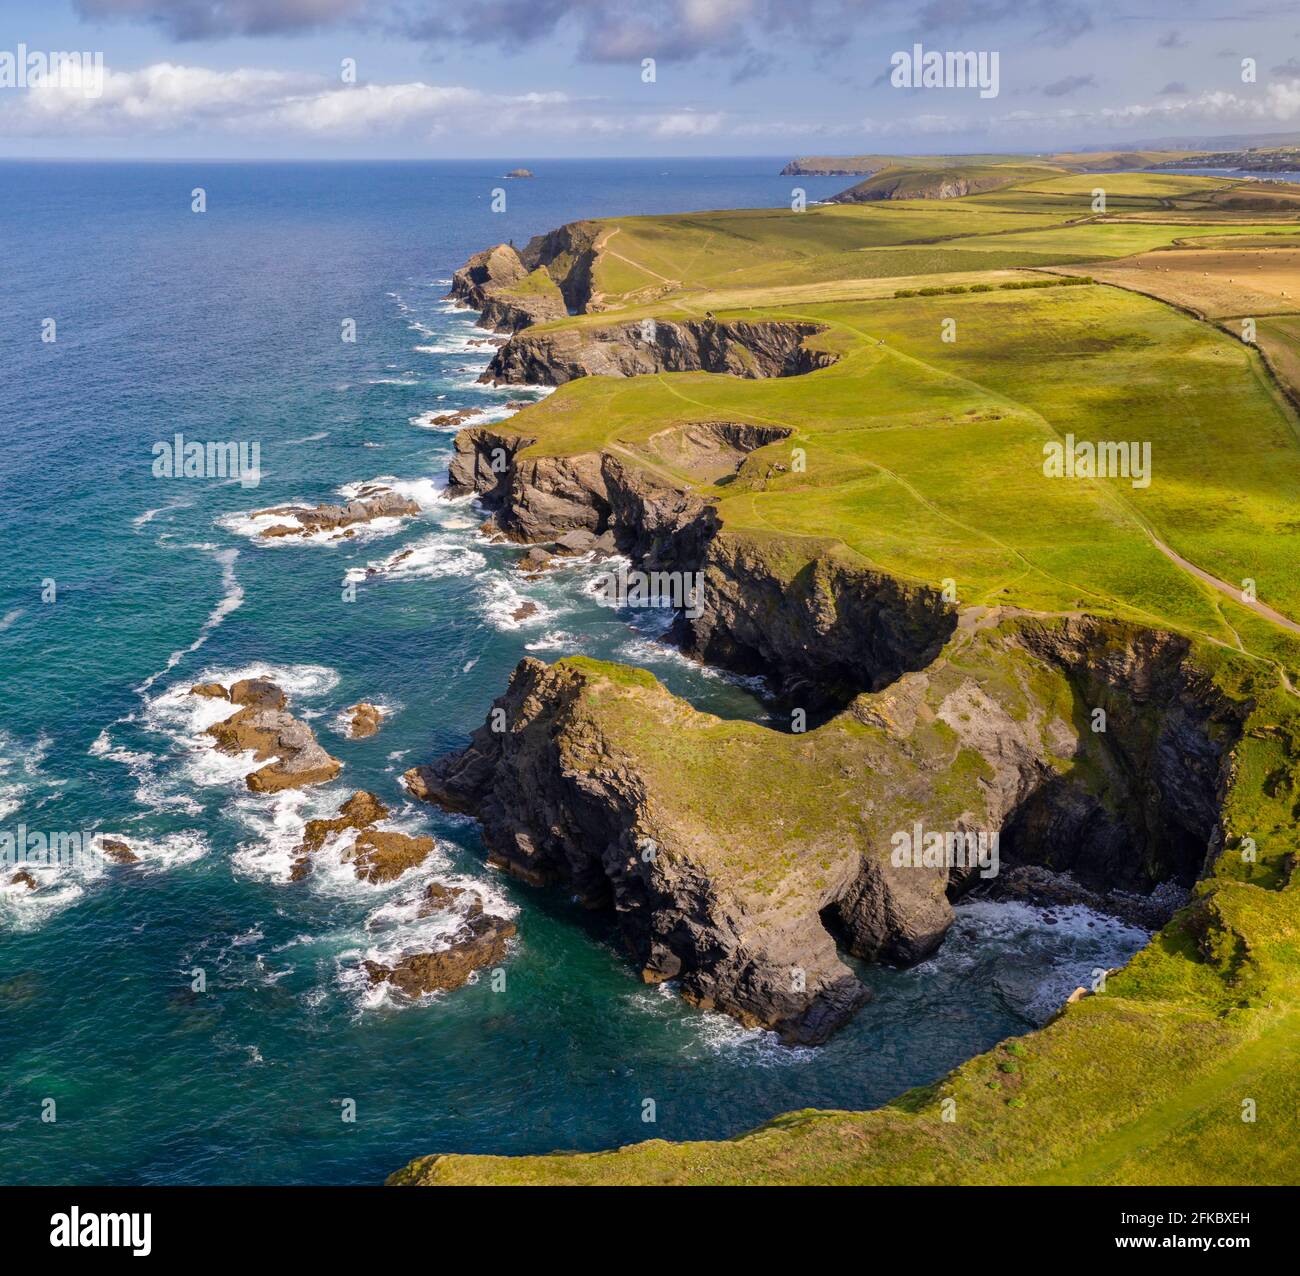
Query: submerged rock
[117,851]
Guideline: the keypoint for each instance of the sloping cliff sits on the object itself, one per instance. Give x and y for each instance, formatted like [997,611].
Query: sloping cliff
[759,348]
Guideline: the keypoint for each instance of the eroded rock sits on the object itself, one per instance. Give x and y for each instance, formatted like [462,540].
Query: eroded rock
[364,719]
[264,726]
[372,502]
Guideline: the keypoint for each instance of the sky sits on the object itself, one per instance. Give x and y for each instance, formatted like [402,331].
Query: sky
[346,79]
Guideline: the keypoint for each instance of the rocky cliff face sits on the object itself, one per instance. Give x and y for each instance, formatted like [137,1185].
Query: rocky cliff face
[508,294]
[823,635]
[568,255]
[824,632]
[767,348]
[1164,734]
[559,800]
[598,778]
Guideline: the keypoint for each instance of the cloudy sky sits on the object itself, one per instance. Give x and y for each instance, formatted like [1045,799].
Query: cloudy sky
[511,78]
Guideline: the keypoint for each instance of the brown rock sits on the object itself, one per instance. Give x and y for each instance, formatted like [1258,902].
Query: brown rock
[212,689]
[118,852]
[524,610]
[258,691]
[377,855]
[373,501]
[264,727]
[24,878]
[480,942]
[366,718]
[380,855]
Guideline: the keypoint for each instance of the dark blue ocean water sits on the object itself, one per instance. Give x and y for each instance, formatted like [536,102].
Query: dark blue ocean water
[226,326]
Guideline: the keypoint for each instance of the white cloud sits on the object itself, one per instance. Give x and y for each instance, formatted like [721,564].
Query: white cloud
[170,98]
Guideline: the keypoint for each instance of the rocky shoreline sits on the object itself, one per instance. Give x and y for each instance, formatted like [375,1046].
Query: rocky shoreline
[582,773]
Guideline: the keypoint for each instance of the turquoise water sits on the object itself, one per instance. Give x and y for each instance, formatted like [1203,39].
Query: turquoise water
[226,326]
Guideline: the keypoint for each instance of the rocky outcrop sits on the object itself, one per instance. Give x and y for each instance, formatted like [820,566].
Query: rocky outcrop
[377,855]
[482,462]
[742,348]
[559,801]
[934,183]
[508,294]
[568,254]
[263,726]
[483,273]
[363,719]
[597,777]
[480,940]
[371,502]
[839,166]
[620,506]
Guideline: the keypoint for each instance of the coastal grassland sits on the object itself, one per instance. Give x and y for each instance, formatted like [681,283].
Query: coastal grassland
[926,458]
[923,459]
[642,260]
[701,250]
[1143,1082]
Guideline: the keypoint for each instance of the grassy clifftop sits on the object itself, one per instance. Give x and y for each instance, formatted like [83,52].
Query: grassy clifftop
[919,455]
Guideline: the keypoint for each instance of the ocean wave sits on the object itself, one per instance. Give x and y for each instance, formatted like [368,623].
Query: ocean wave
[142,520]
[428,559]
[22,771]
[232,598]
[1037,971]
[501,601]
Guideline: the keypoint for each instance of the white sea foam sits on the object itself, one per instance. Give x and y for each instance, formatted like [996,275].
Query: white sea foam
[554,640]
[180,503]
[500,599]
[433,557]
[425,492]
[395,930]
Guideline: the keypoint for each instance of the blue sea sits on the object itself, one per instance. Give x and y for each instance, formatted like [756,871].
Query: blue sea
[121,589]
